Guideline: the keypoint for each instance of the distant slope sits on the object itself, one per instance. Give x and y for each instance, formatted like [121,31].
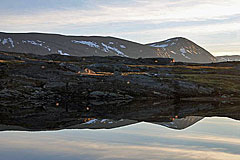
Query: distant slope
[180,49]
[43,44]
[228,58]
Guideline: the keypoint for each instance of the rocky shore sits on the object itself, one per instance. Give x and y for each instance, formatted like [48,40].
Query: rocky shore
[54,87]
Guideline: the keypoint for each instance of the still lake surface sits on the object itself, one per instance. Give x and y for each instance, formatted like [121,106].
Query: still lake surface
[209,139]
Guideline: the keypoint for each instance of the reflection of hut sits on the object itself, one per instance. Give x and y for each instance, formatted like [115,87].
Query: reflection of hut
[89,71]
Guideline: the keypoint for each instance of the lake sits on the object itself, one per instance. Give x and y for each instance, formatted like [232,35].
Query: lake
[213,138]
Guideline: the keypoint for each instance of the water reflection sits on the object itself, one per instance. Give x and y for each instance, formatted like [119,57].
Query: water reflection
[137,131]
[166,113]
[204,140]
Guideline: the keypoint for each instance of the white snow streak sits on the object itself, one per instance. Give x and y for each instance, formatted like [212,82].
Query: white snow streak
[8,40]
[61,53]
[183,51]
[122,46]
[88,43]
[108,48]
[91,121]
[159,46]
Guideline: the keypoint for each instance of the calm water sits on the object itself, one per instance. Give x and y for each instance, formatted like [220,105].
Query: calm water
[211,138]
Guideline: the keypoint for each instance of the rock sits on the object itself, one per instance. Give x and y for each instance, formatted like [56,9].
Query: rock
[7,93]
[191,89]
[43,80]
[52,85]
[71,67]
[108,95]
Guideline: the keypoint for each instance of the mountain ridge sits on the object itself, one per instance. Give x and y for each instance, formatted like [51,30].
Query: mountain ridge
[227,58]
[43,44]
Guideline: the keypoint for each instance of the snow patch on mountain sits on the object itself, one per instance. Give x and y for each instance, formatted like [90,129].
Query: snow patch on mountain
[40,41]
[88,43]
[91,121]
[47,47]
[7,40]
[33,42]
[109,48]
[11,41]
[159,46]
[37,43]
[99,121]
[122,46]
[183,51]
[61,53]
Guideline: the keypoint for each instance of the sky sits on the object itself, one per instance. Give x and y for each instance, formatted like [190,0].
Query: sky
[211,138]
[213,24]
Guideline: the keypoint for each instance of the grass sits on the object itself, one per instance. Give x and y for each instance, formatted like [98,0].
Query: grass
[12,61]
[111,74]
[133,73]
[224,82]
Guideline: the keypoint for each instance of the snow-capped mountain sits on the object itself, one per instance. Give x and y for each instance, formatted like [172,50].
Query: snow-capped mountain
[43,44]
[182,49]
[178,48]
[228,58]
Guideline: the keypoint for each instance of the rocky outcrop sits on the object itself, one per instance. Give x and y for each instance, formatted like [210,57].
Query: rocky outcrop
[48,79]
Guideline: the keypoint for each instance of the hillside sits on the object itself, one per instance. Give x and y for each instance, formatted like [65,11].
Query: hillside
[228,58]
[184,50]
[180,49]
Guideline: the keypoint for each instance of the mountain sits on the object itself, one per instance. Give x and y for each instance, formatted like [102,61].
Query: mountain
[89,124]
[43,44]
[178,124]
[228,58]
[180,49]
[181,123]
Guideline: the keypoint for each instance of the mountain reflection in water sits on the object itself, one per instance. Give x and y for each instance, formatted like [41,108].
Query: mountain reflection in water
[137,131]
[212,138]
[166,113]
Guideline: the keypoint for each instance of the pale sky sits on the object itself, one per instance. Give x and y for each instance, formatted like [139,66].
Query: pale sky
[213,24]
